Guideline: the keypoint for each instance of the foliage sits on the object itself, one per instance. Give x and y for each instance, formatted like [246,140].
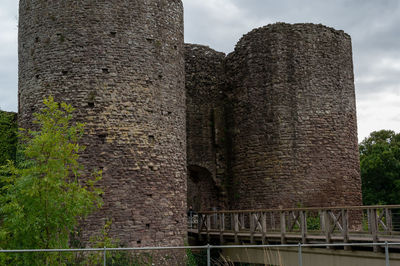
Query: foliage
[313,222]
[43,196]
[8,136]
[104,240]
[380,168]
[191,259]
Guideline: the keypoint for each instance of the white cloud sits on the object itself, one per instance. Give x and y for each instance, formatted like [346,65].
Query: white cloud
[8,55]
[380,111]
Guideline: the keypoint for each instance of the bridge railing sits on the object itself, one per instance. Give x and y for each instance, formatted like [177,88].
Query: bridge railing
[329,224]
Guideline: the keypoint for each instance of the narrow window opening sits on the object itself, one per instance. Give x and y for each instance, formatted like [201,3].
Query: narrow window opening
[113,34]
[91,104]
[139,242]
[38,76]
[102,137]
[64,72]
[105,70]
[147,226]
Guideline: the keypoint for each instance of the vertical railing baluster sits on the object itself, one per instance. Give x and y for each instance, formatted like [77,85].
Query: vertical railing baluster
[200,221]
[236,218]
[105,256]
[264,227]
[345,228]
[232,227]
[387,262]
[303,225]
[283,227]
[208,226]
[208,255]
[327,225]
[221,227]
[369,220]
[300,255]
[273,221]
[388,216]
[374,227]
[252,227]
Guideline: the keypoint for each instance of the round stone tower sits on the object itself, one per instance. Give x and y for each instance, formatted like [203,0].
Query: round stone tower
[120,64]
[294,118]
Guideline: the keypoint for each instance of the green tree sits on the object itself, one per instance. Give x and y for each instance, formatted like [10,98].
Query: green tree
[8,136]
[43,196]
[380,168]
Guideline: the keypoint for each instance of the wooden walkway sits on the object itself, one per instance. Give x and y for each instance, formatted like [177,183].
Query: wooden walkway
[350,224]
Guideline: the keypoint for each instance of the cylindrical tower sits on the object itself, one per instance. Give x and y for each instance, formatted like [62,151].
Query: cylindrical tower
[120,64]
[293,108]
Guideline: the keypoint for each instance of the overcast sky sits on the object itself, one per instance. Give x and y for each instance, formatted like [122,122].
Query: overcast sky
[373,26]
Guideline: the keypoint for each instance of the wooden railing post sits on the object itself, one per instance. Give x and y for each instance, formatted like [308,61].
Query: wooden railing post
[283,227]
[369,220]
[303,225]
[242,221]
[208,226]
[200,225]
[232,221]
[221,227]
[326,225]
[273,221]
[264,227]
[252,227]
[389,222]
[236,226]
[374,227]
[345,228]
[214,221]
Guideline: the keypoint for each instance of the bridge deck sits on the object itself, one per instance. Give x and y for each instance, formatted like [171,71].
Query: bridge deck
[290,238]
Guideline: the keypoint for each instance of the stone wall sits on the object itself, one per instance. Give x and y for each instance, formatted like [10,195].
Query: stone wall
[294,118]
[286,99]
[205,125]
[120,64]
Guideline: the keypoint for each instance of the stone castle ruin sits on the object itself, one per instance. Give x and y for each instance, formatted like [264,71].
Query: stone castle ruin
[273,124]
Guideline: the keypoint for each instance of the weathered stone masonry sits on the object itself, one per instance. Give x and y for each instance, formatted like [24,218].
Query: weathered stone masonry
[272,124]
[290,115]
[120,64]
[205,126]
